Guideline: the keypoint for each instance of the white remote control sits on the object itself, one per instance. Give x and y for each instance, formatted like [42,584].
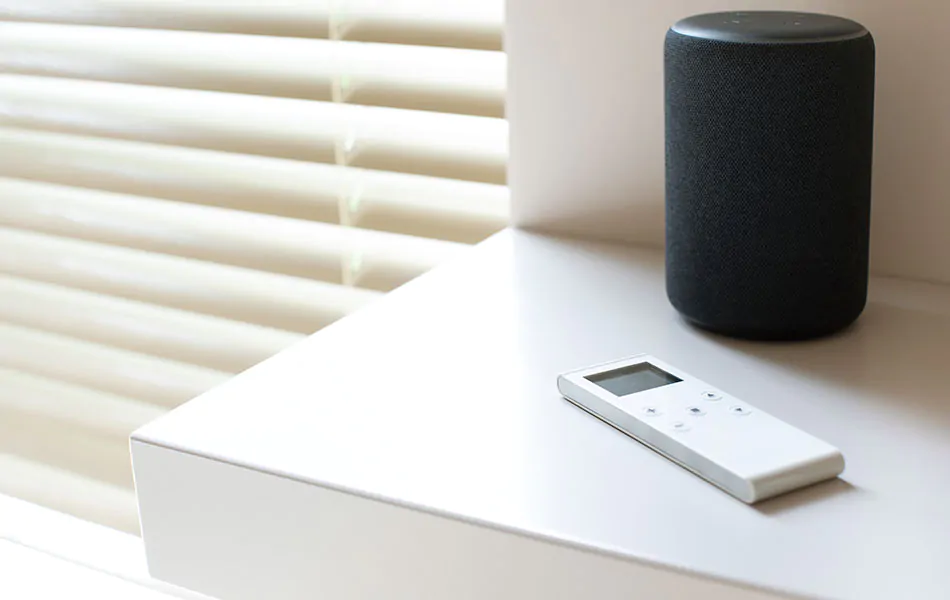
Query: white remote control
[733,445]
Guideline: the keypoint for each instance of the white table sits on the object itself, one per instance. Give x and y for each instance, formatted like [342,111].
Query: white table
[404,450]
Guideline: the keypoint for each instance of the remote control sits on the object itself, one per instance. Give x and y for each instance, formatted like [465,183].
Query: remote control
[729,443]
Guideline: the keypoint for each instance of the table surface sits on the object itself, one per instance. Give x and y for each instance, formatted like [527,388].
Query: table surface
[442,397]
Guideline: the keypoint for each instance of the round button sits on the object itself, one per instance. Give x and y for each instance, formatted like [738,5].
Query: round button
[711,396]
[679,426]
[652,411]
[695,411]
[740,411]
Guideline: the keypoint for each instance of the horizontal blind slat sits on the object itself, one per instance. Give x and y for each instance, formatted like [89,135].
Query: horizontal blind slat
[65,446]
[266,299]
[61,490]
[154,380]
[145,328]
[389,139]
[428,207]
[433,22]
[421,78]
[98,412]
[262,242]
[304,18]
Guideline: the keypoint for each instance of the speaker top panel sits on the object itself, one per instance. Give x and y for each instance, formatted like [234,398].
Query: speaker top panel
[769,27]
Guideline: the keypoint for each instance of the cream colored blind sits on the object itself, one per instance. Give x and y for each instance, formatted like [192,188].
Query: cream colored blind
[189,186]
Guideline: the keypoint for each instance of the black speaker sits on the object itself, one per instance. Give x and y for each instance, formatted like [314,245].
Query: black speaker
[769,137]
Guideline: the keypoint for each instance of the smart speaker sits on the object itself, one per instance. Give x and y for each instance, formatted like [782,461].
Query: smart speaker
[769,136]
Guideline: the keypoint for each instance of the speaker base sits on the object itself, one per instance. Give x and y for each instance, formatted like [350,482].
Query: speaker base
[771,335]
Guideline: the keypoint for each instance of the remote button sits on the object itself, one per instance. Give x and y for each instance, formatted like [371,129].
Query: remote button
[679,426]
[740,411]
[651,411]
[695,411]
[711,396]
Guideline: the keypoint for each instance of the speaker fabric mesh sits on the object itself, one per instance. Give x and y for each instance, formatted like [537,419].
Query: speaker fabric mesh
[769,155]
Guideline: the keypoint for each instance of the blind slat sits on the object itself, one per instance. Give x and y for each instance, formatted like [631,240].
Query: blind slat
[435,144]
[262,242]
[157,381]
[425,22]
[427,207]
[422,78]
[145,328]
[103,414]
[63,445]
[276,301]
[83,497]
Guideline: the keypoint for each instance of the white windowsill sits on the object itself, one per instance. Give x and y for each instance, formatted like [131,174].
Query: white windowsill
[29,574]
[46,554]
[440,401]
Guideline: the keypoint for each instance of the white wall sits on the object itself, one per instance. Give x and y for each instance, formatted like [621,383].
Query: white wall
[586,111]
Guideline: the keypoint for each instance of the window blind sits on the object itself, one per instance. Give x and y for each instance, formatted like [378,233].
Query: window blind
[188,187]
